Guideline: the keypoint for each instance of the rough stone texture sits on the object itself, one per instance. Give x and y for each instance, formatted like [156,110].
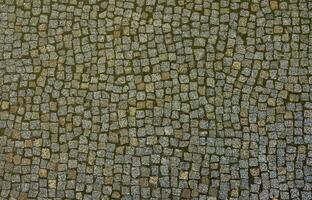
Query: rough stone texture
[146,99]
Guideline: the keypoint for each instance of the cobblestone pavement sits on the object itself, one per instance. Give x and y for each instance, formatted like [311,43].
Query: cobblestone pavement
[155,99]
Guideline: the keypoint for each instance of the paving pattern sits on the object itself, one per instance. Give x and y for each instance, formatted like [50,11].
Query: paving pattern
[155,99]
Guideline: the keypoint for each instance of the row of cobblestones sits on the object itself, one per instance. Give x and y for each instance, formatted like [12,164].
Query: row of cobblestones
[146,99]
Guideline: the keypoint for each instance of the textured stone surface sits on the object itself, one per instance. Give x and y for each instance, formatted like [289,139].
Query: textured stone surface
[146,99]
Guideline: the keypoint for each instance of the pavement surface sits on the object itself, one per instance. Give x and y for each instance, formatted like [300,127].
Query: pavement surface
[155,99]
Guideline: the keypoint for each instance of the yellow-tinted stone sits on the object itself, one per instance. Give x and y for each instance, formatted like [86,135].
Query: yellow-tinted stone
[229,52]
[210,82]
[254,7]
[274,5]
[71,174]
[288,115]
[9,157]
[116,195]
[183,175]
[45,153]
[294,98]
[5,105]
[141,86]
[28,143]
[62,121]
[134,141]
[84,85]
[153,180]
[283,94]
[271,102]
[149,104]
[120,150]
[236,65]
[201,90]
[140,105]
[278,29]
[17,159]
[43,173]
[165,75]
[52,183]
[168,98]
[149,87]
[184,87]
